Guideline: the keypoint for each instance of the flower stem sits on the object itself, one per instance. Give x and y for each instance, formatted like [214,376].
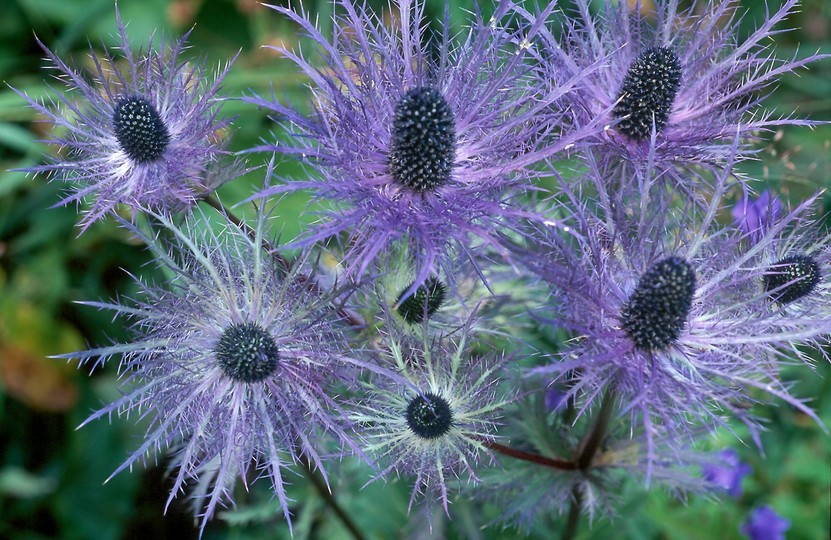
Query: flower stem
[284,263]
[598,432]
[214,203]
[324,492]
[530,456]
[573,515]
[584,460]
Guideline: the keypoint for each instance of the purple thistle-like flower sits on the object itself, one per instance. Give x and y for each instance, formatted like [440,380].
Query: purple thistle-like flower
[232,364]
[427,152]
[793,258]
[677,86]
[679,317]
[728,473]
[756,216]
[146,134]
[765,524]
[433,423]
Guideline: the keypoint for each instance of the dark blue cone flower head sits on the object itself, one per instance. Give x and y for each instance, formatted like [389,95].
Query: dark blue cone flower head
[675,86]
[142,131]
[679,315]
[233,362]
[790,258]
[421,142]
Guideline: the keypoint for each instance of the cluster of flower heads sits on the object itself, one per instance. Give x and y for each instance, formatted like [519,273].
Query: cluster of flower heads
[435,157]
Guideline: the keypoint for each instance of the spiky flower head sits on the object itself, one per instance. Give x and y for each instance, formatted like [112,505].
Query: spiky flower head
[232,364]
[433,423]
[790,258]
[680,316]
[142,131]
[444,302]
[675,84]
[429,150]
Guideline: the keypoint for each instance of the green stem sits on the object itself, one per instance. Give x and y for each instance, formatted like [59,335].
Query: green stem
[324,491]
[285,265]
[584,459]
[598,433]
[573,515]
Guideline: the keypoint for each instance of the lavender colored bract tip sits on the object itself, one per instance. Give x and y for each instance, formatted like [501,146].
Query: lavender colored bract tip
[754,217]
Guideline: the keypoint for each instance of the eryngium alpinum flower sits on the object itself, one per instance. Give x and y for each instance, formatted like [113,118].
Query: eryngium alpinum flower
[419,140]
[675,313]
[789,261]
[232,363]
[434,424]
[676,85]
[142,132]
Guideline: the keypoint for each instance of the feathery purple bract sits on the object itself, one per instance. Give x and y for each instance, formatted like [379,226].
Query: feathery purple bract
[428,151]
[146,135]
[232,364]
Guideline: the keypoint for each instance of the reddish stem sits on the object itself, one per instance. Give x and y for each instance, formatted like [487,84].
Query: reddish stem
[531,457]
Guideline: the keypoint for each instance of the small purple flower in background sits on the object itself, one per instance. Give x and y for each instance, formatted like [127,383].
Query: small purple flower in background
[755,217]
[232,362]
[429,153]
[675,90]
[728,473]
[555,397]
[145,135]
[765,524]
[434,423]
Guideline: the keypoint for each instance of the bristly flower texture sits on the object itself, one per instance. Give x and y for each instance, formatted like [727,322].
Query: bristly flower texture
[677,85]
[143,132]
[434,423]
[232,364]
[680,317]
[419,143]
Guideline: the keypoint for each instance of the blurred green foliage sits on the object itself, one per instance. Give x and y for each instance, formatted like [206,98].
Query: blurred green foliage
[51,475]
